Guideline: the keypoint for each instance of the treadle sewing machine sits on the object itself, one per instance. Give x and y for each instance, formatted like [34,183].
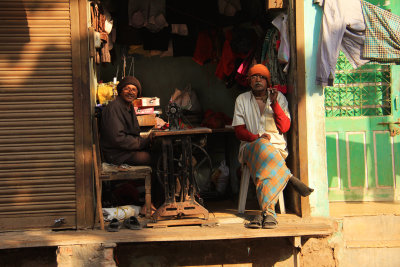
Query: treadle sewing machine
[175,168]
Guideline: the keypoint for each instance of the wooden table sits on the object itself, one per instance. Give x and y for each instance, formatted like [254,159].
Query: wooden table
[178,169]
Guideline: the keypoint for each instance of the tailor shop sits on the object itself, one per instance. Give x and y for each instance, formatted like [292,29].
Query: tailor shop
[61,61]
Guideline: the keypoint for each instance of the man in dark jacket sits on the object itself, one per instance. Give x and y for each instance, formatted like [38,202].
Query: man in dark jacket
[120,138]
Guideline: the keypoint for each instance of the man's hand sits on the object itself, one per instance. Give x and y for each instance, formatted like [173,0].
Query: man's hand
[159,123]
[273,95]
[151,135]
[266,136]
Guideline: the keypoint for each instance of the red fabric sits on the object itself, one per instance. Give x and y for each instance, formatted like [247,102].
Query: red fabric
[215,120]
[281,120]
[241,75]
[204,48]
[226,64]
[281,88]
[278,44]
[243,134]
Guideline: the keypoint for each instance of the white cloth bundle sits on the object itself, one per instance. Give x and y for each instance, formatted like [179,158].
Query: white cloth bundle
[121,212]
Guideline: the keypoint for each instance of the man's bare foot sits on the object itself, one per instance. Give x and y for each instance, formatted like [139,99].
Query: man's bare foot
[300,187]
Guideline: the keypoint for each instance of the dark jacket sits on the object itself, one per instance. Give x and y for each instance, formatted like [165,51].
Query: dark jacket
[120,132]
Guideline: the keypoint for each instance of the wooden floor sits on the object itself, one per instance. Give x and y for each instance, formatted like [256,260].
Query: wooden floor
[226,224]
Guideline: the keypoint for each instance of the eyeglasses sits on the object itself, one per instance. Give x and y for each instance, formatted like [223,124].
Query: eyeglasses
[255,76]
[130,90]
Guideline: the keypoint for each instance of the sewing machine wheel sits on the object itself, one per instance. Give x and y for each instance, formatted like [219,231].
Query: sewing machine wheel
[201,166]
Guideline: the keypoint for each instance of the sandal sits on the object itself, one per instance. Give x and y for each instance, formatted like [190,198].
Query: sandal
[114,225]
[255,223]
[269,222]
[132,223]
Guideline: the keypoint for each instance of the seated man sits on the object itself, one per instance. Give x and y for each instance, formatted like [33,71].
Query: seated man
[120,139]
[260,119]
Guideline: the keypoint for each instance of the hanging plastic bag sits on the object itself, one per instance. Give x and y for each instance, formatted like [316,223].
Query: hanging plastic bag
[186,99]
[220,177]
[105,92]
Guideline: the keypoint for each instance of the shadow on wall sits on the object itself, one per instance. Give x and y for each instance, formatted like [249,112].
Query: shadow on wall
[37,125]
[17,35]
[246,252]
[41,256]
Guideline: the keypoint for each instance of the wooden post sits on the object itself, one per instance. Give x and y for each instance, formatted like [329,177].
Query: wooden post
[98,191]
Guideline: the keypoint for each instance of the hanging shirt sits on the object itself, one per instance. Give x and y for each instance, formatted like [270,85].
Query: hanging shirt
[248,113]
[342,28]
[382,40]
[281,23]
[147,13]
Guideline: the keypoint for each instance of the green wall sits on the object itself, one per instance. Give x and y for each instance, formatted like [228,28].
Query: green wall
[316,141]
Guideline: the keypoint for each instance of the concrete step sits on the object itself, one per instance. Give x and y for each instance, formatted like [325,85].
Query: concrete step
[371,231]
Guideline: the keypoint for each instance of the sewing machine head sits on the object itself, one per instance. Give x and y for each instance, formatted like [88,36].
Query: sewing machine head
[174,113]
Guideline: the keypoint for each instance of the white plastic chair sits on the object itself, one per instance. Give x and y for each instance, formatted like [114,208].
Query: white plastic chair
[244,187]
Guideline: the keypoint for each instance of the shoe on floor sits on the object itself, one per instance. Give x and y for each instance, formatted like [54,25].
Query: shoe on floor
[114,225]
[132,223]
[269,222]
[255,223]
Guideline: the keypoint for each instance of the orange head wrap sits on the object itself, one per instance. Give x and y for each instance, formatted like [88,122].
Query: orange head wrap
[261,70]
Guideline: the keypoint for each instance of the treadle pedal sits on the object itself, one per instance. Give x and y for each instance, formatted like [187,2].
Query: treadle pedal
[182,222]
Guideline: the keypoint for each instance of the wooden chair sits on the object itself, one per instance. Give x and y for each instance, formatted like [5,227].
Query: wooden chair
[244,186]
[130,173]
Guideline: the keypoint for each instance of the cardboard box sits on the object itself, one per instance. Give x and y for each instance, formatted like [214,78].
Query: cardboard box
[143,110]
[146,102]
[275,4]
[147,120]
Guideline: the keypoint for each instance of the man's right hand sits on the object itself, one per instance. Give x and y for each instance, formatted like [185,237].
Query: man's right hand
[151,135]
[273,95]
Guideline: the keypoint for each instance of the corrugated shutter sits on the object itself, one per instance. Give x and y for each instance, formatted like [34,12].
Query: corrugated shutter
[37,160]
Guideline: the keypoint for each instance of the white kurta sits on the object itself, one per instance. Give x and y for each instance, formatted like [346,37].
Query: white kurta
[342,28]
[248,113]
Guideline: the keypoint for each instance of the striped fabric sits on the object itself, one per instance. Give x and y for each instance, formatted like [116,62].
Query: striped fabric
[269,171]
[382,38]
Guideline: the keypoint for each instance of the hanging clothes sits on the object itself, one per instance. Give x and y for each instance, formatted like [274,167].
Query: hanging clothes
[229,7]
[281,23]
[102,23]
[226,64]
[147,13]
[204,50]
[382,40]
[269,57]
[342,28]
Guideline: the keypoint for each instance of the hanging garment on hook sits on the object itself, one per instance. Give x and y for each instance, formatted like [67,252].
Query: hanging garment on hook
[382,38]
[147,13]
[342,28]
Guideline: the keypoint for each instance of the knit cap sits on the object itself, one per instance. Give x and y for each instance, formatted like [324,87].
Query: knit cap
[129,80]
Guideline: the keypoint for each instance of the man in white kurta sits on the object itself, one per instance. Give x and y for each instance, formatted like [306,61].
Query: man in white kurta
[260,120]
[248,113]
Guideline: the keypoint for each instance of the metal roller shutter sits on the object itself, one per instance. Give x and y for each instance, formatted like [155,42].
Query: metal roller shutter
[37,150]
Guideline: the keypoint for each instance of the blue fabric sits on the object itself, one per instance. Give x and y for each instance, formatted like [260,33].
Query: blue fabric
[269,170]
